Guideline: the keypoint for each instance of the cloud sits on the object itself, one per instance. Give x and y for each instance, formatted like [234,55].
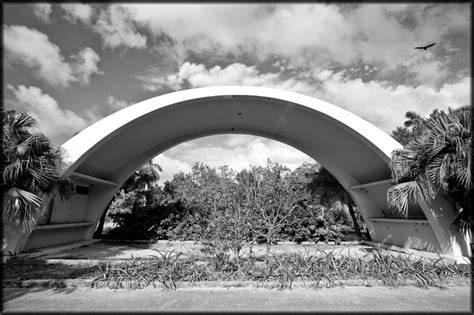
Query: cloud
[379,102]
[385,106]
[42,11]
[170,167]
[117,29]
[116,104]
[310,35]
[77,11]
[196,75]
[263,30]
[85,64]
[34,50]
[56,123]
[237,151]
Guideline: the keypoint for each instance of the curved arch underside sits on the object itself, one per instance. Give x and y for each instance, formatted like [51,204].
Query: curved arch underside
[357,153]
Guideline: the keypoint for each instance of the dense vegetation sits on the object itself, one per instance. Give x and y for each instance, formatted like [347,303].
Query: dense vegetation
[226,209]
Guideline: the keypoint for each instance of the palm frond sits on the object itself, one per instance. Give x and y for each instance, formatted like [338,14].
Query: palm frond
[438,158]
[18,120]
[28,168]
[22,206]
[400,196]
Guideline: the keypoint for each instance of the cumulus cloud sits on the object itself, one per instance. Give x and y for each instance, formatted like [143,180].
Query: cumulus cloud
[56,123]
[197,75]
[34,50]
[385,106]
[237,151]
[77,11]
[85,65]
[170,167]
[263,30]
[115,104]
[379,102]
[117,29]
[309,35]
[42,11]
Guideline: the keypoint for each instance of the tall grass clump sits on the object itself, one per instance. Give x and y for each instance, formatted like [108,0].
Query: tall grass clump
[284,271]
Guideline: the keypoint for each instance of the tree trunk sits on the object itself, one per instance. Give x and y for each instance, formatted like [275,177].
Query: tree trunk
[100,227]
[354,219]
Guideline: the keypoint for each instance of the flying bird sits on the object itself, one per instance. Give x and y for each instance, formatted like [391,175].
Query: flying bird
[425,47]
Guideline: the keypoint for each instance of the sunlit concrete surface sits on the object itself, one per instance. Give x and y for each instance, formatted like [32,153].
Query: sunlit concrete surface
[117,250]
[102,157]
[348,299]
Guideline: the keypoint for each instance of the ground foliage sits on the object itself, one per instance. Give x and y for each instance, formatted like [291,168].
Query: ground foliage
[311,270]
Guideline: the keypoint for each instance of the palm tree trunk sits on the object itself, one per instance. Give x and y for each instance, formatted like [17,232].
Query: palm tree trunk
[354,219]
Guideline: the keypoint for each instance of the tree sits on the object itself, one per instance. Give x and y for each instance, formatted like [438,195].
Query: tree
[329,190]
[439,160]
[412,128]
[29,173]
[270,197]
[142,181]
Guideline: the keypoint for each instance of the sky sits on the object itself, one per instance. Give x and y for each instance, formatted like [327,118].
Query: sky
[70,65]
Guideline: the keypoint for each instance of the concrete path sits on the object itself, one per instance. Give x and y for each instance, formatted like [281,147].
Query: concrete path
[349,299]
[110,250]
[105,250]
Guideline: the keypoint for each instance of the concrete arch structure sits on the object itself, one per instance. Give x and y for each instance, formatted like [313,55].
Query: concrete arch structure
[101,157]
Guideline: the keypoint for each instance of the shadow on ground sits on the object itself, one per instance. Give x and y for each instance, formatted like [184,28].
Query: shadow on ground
[12,294]
[102,250]
[25,269]
[106,250]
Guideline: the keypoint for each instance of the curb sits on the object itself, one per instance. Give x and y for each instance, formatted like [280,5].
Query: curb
[89,283]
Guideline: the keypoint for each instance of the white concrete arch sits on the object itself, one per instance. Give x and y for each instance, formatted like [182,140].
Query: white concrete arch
[102,157]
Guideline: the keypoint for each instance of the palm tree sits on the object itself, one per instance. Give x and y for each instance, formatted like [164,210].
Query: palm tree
[28,167]
[413,127]
[142,180]
[439,160]
[326,186]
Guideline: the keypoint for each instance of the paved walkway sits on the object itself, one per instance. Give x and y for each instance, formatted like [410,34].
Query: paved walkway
[349,299]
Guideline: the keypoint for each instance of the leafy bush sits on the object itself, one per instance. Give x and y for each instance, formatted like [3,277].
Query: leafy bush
[261,205]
